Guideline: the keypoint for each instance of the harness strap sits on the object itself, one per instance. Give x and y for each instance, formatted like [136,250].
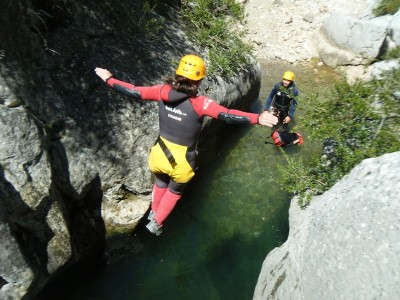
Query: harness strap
[281,106]
[166,151]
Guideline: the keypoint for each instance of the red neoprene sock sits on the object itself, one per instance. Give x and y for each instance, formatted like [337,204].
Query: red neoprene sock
[166,205]
[156,196]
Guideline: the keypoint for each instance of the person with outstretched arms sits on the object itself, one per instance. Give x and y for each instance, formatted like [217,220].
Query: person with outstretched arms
[181,114]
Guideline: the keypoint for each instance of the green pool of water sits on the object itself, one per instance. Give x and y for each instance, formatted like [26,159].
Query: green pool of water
[231,215]
[215,240]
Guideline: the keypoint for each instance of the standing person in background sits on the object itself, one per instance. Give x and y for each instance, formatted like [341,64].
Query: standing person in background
[181,113]
[282,99]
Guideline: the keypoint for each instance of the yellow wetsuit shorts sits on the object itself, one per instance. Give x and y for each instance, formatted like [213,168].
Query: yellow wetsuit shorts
[180,171]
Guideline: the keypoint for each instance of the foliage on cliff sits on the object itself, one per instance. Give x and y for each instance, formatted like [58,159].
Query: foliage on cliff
[211,26]
[386,7]
[354,122]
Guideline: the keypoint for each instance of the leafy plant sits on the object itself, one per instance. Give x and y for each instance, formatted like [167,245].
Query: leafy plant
[392,54]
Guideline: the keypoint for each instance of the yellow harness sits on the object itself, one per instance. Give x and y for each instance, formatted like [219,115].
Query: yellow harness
[169,158]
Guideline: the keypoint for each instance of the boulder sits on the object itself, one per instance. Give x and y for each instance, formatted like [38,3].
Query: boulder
[345,245]
[379,69]
[346,40]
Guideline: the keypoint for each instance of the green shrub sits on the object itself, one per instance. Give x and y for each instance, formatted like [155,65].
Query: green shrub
[362,120]
[386,7]
[392,54]
[210,26]
[149,23]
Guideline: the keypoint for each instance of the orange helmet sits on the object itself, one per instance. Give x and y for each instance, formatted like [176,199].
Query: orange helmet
[288,75]
[191,67]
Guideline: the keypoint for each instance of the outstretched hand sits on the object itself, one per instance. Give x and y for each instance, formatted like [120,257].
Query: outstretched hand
[103,73]
[267,119]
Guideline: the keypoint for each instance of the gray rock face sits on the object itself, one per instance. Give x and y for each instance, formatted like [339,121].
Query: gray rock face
[346,40]
[73,152]
[346,244]
[378,69]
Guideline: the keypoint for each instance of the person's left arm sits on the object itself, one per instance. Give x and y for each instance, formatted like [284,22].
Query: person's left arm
[270,97]
[207,107]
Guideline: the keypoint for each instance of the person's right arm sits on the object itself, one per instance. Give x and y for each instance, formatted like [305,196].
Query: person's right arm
[156,92]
